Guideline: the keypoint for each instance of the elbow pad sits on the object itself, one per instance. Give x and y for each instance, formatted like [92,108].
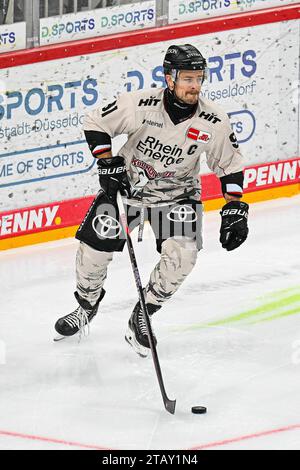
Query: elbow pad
[98,142]
[233,184]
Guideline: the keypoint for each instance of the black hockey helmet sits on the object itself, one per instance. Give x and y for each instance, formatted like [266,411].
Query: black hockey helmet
[185,57]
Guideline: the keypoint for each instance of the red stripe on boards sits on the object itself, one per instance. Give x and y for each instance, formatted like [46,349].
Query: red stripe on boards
[146,36]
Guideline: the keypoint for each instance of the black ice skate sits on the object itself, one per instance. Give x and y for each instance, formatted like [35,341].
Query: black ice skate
[136,334]
[76,321]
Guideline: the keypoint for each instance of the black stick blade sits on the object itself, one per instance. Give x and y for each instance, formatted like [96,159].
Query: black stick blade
[170,405]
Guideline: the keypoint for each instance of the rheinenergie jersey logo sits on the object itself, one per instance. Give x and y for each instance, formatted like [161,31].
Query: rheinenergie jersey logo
[155,149]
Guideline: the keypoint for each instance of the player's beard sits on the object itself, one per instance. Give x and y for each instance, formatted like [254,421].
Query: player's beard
[191,97]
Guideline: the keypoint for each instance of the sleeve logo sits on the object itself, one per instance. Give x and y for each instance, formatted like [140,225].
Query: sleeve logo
[109,108]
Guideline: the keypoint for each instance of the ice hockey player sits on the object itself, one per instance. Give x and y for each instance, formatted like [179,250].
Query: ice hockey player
[157,172]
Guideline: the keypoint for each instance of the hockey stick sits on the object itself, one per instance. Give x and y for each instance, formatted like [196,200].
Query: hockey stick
[169,404]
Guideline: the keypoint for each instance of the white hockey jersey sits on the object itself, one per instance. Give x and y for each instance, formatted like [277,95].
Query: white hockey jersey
[163,159]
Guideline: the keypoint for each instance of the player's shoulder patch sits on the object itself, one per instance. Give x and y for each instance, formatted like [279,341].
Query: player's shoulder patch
[149,101]
[148,98]
[211,113]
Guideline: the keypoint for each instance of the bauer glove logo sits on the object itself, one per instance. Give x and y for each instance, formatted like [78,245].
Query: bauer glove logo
[111,170]
[240,212]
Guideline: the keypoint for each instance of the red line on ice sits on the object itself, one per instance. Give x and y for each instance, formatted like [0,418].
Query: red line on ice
[244,438]
[51,440]
[198,447]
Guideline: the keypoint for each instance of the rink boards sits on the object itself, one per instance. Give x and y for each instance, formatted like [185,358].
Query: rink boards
[47,176]
[48,222]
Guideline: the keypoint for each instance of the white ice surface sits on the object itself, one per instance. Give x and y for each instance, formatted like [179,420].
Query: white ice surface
[99,393]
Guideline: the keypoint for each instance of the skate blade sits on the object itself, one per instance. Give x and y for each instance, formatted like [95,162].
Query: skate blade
[59,337]
[140,350]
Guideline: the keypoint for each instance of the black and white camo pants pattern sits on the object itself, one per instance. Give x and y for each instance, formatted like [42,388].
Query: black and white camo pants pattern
[178,257]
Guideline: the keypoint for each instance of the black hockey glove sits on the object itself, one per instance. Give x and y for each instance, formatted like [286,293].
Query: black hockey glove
[234,228]
[113,177]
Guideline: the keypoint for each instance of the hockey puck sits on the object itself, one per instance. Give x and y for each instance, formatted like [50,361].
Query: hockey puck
[199,410]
